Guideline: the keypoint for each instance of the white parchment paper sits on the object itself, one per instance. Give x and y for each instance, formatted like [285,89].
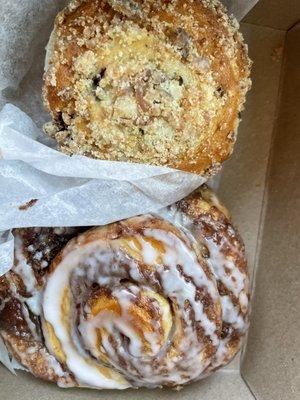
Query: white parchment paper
[71,191]
[42,187]
[239,8]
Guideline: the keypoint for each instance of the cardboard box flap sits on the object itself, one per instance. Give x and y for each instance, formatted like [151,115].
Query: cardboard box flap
[277,14]
[272,361]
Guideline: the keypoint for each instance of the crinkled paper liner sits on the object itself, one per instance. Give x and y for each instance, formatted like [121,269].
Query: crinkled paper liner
[42,187]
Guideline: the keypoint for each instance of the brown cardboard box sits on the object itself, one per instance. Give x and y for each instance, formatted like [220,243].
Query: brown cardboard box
[261,187]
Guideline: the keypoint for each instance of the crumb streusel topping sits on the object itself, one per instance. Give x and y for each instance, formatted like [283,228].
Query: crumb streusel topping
[145,82]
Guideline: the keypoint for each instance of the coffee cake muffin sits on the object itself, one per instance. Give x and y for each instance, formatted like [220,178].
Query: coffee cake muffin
[156,82]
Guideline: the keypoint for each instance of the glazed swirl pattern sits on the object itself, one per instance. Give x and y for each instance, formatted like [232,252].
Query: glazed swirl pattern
[150,301]
[156,317]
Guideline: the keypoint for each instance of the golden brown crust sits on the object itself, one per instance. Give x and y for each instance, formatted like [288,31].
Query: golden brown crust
[201,222]
[159,82]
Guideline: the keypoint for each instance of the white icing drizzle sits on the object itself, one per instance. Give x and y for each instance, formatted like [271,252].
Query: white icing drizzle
[244,302]
[38,255]
[148,251]
[104,263]
[224,270]
[25,271]
[176,254]
[35,302]
[231,315]
[121,324]
[237,283]
[176,217]
[30,323]
[85,370]
[22,268]
[55,365]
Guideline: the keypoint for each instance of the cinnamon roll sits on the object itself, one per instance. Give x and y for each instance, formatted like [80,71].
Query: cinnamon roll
[151,301]
[160,82]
